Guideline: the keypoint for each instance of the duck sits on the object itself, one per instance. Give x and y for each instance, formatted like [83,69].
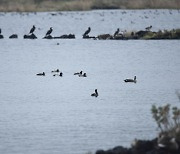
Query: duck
[41,74]
[60,74]
[78,73]
[95,94]
[83,75]
[55,71]
[131,80]
[32,29]
[49,31]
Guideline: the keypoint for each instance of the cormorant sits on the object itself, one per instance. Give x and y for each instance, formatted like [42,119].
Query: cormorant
[117,32]
[87,31]
[32,29]
[49,31]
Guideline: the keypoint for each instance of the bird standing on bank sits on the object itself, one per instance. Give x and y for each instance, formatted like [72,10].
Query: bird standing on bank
[116,32]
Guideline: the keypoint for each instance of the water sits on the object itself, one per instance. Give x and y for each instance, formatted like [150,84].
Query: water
[58,115]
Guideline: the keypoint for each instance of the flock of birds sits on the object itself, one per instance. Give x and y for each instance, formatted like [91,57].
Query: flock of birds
[47,33]
[85,35]
[81,74]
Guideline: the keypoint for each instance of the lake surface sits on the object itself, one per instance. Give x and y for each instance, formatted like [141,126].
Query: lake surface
[57,115]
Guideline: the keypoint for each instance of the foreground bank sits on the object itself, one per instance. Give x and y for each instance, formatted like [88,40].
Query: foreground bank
[168,140]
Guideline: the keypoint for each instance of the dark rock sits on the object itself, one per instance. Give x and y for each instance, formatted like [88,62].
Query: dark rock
[121,150]
[65,36]
[141,33]
[88,37]
[1,36]
[48,37]
[104,37]
[100,152]
[70,36]
[143,146]
[13,36]
[32,36]
[115,150]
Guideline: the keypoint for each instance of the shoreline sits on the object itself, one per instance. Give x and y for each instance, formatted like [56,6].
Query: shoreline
[84,5]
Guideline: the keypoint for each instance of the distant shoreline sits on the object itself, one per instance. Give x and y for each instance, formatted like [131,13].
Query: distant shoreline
[84,5]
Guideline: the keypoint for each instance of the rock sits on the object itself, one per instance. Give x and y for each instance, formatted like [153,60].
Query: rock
[1,36]
[65,36]
[100,152]
[32,36]
[104,37]
[88,37]
[13,36]
[143,146]
[48,37]
[141,33]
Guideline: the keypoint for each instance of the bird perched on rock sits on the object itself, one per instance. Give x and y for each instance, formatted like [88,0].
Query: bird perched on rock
[116,32]
[87,31]
[32,29]
[49,31]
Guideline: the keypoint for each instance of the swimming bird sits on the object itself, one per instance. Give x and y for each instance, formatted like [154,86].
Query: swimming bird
[32,29]
[116,32]
[95,94]
[78,73]
[49,31]
[55,71]
[131,80]
[87,31]
[61,74]
[148,28]
[83,75]
[41,74]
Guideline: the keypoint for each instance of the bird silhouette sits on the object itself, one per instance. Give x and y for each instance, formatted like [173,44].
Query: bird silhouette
[95,94]
[116,32]
[87,31]
[49,31]
[32,29]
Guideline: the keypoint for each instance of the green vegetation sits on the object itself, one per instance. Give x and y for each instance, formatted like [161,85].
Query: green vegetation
[69,5]
[168,120]
[143,35]
[168,140]
[166,34]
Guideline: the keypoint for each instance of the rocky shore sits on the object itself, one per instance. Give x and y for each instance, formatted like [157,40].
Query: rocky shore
[146,147]
[167,141]
[126,35]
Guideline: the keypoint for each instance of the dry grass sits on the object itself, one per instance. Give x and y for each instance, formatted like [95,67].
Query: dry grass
[69,5]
